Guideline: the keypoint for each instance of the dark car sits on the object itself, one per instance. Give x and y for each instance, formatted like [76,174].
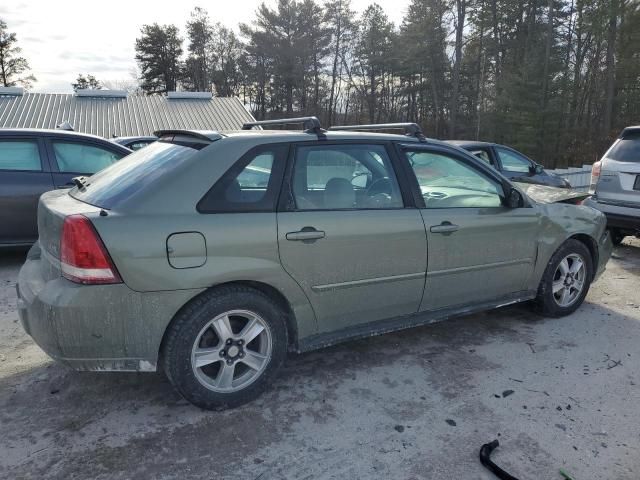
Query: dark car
[511,163]
[35,161]
[135,143]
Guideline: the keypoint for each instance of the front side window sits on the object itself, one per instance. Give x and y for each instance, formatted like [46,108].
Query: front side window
[337,177]
[446,182]
[251,185]
[81,158]
[513,162]
[20,155]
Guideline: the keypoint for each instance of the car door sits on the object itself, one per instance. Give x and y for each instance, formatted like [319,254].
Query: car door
[514,165]
[347,235]
[71,158]
[24,176]
[479,249]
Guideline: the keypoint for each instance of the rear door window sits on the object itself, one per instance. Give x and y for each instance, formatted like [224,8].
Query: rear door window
[74,157]
[350,176]
[20,155]
[626,149]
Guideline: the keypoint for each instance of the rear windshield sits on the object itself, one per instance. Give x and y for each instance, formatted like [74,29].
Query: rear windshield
[131,174]
[626,149]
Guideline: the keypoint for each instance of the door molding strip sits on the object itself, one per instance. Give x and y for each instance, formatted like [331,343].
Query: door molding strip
[368,281]
[437,273]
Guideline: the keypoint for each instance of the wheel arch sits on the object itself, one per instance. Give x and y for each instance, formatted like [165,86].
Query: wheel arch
[592,246]
[270,291]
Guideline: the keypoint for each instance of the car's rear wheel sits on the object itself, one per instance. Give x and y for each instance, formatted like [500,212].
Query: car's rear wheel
[566,280]
[225,347]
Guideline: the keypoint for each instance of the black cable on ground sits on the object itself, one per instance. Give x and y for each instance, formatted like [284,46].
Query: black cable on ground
[485,459]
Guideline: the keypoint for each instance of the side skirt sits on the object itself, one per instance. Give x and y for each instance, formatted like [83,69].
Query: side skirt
[380,327]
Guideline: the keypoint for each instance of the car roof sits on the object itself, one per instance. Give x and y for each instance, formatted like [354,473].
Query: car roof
[48,132]
[298,135]
[470,143]
[134,138]
[631,129]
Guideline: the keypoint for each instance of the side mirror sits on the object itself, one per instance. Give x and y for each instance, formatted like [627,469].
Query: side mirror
[515,199]
[537,169]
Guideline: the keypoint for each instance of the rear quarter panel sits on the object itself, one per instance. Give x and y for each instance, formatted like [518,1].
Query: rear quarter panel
[239,246]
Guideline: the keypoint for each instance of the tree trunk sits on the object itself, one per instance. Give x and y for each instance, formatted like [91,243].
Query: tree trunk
[611,66]
[461,6]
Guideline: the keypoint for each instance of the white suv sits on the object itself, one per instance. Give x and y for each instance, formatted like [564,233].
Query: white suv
[615,183]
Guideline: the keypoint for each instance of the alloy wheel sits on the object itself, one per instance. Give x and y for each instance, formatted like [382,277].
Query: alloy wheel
[569,280]
[231,351]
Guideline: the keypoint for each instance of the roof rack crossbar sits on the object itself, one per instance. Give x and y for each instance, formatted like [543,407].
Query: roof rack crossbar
[310,124]
[410,129]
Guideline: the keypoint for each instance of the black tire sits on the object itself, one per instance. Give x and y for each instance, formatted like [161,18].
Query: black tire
[187,327]
[616,236]
[545,302]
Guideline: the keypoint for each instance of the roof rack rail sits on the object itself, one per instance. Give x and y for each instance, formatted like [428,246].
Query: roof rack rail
[310,124]
[410,129]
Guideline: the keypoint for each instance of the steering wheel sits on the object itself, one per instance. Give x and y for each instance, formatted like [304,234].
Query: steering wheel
[381,185]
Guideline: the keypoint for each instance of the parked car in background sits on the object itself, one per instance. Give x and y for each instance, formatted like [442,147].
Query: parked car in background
[135,143]
[511,163]
[35,161]
[211,256]
[615,184]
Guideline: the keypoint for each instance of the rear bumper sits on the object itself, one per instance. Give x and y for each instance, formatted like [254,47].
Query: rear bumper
[97,327]
[624,218]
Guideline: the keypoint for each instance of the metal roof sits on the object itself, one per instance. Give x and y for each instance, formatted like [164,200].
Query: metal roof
[125,116]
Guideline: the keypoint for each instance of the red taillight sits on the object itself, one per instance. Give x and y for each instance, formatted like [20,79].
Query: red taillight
[595,175]
[83,257]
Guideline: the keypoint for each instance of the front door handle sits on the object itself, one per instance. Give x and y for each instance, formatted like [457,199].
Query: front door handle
[307,233]
[445,228]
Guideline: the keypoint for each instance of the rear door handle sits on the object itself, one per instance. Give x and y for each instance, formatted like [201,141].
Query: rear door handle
[307,233]
[444,227]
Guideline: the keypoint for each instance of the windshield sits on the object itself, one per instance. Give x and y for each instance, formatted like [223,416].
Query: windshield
[131,174]
[626,149]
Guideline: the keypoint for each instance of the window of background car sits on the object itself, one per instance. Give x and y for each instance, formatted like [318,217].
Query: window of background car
[482,155]
[138,145]
[251,185]
[626,149]
[80,158]
[20,155]
[513,162]
[446,182]
[328,177]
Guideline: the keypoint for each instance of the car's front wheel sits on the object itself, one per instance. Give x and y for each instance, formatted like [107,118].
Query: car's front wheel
[225,347]
[566,280]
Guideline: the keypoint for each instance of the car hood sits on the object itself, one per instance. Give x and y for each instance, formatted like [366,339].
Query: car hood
[545,194]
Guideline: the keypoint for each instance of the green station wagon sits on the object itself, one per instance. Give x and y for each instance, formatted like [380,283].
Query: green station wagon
[210,256]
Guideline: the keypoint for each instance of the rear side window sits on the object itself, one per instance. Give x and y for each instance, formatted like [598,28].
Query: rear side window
[81,158]
[132,173]
[251,185]
[20,155]
[626,149]
[482,155]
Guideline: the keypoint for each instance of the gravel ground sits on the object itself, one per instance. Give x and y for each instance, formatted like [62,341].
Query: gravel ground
[557,393]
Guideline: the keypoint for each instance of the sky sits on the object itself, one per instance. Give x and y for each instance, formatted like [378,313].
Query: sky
[61,39]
